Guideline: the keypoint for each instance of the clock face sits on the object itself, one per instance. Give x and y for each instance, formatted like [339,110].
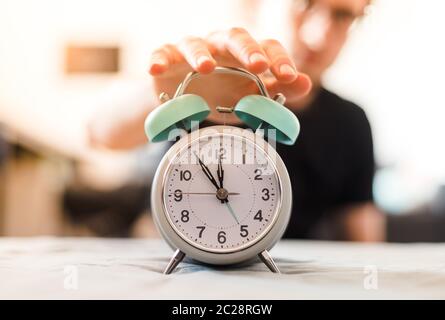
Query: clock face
[221,193]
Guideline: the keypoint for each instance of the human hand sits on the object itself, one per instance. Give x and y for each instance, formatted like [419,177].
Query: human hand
[169,64]
[236,48]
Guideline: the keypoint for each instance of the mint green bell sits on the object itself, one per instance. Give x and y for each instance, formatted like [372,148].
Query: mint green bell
[178,113]
[256,111]
[260,112]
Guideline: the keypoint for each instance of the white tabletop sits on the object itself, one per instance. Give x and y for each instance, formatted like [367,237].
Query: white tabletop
[84,268]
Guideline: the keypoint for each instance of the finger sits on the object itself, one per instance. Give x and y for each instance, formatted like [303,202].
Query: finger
[196,52]
[240,44]
[293,91]
[281,64]
[159,62]
[161,59]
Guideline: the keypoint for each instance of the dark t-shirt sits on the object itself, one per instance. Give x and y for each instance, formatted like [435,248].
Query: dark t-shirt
[332,163]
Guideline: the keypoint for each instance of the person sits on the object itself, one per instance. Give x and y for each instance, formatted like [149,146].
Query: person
[331,166]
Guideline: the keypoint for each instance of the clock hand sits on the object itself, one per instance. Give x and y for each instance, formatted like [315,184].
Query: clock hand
[220,173]
[210,193]
[207,172]
[231,211]
[221,193]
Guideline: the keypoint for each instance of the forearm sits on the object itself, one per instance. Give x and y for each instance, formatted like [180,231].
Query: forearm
[364,222]
[121,125]
[359,222]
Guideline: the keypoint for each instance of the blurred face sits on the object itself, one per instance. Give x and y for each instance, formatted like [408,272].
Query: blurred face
[319,31]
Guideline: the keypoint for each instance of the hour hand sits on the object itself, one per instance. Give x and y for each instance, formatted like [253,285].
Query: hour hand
[220,173]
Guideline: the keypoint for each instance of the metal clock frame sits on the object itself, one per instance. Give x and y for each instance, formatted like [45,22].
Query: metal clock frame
[186,247]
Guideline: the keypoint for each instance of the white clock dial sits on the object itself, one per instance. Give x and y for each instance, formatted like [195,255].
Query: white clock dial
[249,198]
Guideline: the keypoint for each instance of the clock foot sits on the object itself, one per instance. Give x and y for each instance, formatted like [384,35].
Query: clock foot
[178,256]
[268,261]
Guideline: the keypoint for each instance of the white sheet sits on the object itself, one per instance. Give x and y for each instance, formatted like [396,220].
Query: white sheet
[115,269]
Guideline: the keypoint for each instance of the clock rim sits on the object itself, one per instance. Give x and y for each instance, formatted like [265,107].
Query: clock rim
[177,240]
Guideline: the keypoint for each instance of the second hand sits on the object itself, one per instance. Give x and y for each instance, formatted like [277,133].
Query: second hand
[231,211]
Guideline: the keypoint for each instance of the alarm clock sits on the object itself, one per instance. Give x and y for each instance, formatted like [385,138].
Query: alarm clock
[221,194]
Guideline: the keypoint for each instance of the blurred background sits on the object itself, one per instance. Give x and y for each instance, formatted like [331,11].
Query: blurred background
[63,62]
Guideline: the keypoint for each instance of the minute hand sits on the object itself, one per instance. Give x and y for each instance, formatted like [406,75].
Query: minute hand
[207,172]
